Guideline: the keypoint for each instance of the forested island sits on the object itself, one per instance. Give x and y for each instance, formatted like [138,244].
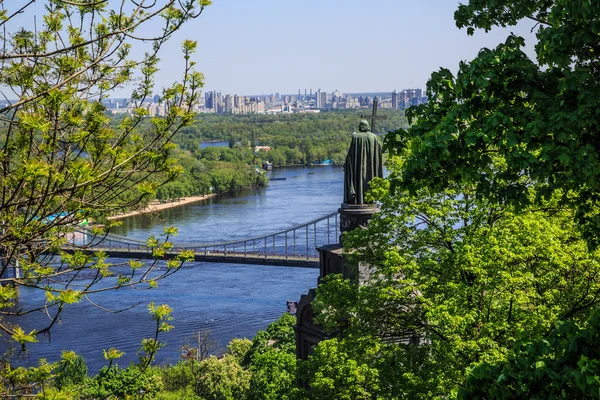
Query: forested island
[293,139]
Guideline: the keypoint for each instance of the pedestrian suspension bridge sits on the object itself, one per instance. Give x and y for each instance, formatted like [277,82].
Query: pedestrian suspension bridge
[294,247]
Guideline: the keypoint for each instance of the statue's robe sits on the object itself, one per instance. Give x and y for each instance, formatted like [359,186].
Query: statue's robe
[363,163]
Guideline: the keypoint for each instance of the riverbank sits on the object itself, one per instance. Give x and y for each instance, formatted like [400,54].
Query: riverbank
[157,206]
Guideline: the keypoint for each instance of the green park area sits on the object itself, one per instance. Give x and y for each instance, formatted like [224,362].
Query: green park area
[292,139]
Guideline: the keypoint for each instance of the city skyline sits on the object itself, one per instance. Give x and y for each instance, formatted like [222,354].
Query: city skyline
[275,103]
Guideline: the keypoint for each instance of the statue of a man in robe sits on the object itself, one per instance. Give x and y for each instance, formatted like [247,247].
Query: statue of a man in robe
[363,163]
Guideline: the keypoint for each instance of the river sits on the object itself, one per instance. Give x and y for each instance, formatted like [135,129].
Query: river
[228,300]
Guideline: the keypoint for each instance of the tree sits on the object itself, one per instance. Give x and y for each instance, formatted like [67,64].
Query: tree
[344,369]
[222,379]
[467,277]
[515,129]
[67,378]
[480,248]
[272,361]
[563,365]
[72,370]
[123,383]
[238,348]
[211,153]
[61,160]
[259,369]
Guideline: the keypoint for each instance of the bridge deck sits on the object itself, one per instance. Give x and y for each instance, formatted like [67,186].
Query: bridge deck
[295,246]
[228,258]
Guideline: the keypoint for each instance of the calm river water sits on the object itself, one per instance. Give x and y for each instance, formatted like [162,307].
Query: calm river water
[228,300]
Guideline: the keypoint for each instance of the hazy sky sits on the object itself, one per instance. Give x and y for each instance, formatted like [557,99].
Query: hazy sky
[268,46]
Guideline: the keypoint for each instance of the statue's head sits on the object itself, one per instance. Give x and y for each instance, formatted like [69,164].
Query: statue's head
[364,126]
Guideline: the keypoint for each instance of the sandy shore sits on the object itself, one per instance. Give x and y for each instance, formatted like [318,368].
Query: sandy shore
[153,207]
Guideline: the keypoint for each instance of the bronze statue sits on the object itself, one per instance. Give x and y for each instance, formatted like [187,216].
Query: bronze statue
[363,163]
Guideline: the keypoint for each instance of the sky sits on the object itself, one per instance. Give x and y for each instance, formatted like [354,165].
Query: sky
[267,46]
[252,47]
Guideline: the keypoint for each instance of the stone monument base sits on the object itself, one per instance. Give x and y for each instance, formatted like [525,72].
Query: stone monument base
[331,259]
[354,216]
[308,334]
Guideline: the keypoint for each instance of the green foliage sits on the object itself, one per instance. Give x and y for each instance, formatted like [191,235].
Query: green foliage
[515,130]
[213,170]
[343,369]
[67,378]
[489,223]
[262,369]
[25,380]
[112,354]
[238,348]
[482,243]
[118,383]
[564,365]
[72,370]
[294,139]
[273,375]
[272,361]
[222,379]
[63,160]
[19,336]
[187,394]
[470,277]
[279,335]
[57,380]
[180,378]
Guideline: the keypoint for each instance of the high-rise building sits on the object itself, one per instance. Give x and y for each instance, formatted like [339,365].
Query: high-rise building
[395,99]
[213,100]
[319,104]
[323,96]
[218,102]
[238,101]
[229,103]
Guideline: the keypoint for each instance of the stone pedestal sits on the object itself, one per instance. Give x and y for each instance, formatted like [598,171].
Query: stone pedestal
[308,335]
[331,259]
[354,216]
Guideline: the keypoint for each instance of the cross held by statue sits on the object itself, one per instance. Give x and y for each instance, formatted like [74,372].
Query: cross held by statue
[374,117]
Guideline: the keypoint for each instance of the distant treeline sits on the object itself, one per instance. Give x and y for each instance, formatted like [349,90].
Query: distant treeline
[294,139]
[213,170]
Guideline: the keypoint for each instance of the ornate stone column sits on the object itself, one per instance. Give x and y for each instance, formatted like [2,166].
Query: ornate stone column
[354,216]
